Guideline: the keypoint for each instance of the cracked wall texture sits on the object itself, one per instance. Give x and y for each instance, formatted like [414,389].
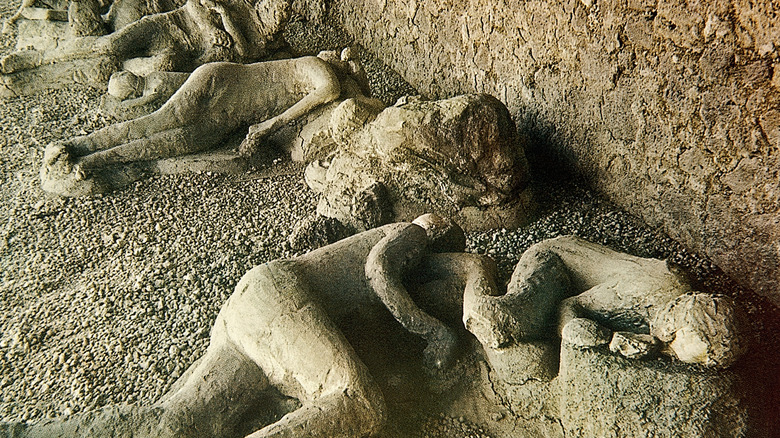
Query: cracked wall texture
[669,107]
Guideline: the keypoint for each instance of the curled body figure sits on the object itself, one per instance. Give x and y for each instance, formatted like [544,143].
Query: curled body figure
[281,329]
[562,284]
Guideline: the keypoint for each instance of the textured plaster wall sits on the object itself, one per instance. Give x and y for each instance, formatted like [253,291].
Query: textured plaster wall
[670,108]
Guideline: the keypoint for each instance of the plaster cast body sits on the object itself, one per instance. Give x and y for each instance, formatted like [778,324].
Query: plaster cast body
[84,16]
[216,100]
[568,278]
[198,32]
[281,329]
[461,156]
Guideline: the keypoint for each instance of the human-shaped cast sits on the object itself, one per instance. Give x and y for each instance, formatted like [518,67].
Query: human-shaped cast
[557,282]
[199,32]
[282,328]
[214,102]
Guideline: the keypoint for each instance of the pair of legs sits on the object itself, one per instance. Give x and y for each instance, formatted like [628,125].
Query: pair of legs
[269,333]
[163,36]
[171,41]
[183,125]
[143,139]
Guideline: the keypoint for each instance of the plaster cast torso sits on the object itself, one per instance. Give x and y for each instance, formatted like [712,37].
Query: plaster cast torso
[285,310]
[230,95]
[616,286]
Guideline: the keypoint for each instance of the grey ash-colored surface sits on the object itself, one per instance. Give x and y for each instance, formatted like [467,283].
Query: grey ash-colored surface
[108,299]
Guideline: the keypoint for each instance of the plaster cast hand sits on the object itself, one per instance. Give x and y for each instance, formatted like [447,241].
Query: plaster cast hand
[257,133]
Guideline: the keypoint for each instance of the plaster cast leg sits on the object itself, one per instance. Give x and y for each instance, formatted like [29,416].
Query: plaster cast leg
[152,35]
[273,319]
[538,284]
[158,135]
[171,143]
[210,402]
[215,394]
[110,422]
[67,50]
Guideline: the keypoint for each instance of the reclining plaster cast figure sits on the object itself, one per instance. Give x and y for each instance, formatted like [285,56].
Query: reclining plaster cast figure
[215,101]
[84,16]
[281,329]
[199,32]
[461,156]
[589,286]
[131,96]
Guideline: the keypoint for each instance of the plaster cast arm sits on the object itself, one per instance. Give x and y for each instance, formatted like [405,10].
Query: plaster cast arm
[538,284]
[385,267]
[326,88]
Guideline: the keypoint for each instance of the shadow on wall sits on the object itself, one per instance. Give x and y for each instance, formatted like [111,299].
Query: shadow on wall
[760,367]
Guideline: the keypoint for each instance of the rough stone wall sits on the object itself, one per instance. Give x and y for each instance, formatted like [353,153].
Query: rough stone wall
[669,107]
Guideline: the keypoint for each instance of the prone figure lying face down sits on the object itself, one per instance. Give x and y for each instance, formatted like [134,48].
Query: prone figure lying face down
[282,329]
[215,101]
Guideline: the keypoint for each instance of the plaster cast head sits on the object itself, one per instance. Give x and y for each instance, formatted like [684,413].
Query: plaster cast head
[700,328]
[125,85]
[444,235]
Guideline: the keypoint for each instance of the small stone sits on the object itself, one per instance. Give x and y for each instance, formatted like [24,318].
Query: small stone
[634,345]
[496,416]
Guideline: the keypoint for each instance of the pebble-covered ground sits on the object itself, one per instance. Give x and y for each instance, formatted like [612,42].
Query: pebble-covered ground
[108,299]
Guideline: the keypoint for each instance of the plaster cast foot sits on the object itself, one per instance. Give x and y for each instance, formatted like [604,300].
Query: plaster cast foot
[61,174]
[19,61]
[57,159]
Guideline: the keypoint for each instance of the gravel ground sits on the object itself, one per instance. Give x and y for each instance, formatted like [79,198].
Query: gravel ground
[108,299]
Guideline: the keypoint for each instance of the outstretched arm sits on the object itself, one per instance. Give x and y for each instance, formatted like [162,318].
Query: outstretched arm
[310,71]
[385,266]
